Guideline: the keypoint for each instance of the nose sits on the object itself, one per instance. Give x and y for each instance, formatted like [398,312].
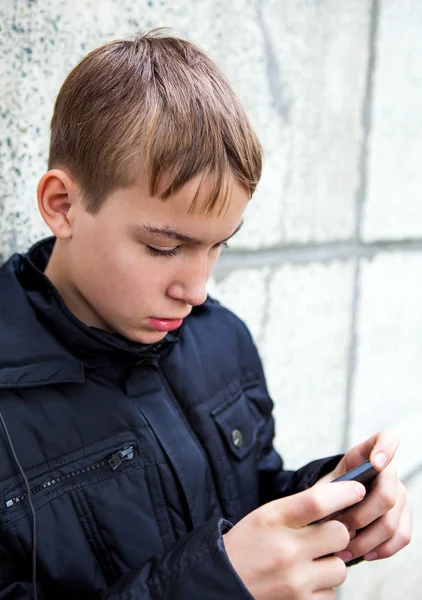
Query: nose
[190,282]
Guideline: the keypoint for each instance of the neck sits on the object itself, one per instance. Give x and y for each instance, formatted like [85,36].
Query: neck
[58,272]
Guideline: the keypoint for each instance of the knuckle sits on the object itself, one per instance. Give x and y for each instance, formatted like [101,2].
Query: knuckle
[340,571]
[266,517]
[343,534]
[294,587]
[360,548]
[339,532]
[386,551]
[287,554]
[387,500]
[314,504]
[389,527]
[404,539]
[354,522]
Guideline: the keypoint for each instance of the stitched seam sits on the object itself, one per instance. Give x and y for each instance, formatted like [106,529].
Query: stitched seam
[77,506]
[104,556]
[238,388]
[65,490]
[165,506]
[178,477]
[149,490]
[160,526]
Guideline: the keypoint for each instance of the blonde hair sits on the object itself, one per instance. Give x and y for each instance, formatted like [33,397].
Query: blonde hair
[157,108]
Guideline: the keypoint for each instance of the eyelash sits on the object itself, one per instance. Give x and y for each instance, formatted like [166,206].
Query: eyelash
[174,251]
[156,252]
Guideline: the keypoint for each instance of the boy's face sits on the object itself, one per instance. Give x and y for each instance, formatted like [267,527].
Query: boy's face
[126,270]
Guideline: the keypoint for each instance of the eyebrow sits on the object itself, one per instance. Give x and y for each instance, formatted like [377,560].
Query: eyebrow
[168,233]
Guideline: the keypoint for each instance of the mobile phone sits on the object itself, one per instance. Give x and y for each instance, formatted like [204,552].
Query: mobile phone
[364,473]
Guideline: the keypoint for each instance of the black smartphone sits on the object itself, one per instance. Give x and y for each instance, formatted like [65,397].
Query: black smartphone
[364,473]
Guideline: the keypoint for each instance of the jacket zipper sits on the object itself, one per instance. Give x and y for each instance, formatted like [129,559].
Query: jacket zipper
[113,461]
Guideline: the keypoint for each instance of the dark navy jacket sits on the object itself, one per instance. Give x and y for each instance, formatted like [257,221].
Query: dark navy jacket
[138,458]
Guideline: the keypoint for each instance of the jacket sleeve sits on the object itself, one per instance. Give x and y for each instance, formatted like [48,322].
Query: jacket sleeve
[197,566]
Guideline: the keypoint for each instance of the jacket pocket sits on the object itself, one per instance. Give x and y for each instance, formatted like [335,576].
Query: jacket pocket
[71,471]
[237,427]
[235,451]
[71,543]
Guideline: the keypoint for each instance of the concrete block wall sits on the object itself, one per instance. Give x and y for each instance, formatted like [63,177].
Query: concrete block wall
[326,270]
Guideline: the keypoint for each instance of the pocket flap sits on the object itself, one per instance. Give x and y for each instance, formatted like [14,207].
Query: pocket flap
[238,426]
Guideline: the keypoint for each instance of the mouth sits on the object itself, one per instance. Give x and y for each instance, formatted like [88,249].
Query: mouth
[165,324]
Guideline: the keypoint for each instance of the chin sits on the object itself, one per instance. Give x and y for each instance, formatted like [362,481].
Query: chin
[145,337]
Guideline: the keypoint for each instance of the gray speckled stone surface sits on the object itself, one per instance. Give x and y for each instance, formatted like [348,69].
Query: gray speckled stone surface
[304,347]
[246,293]
[393,207]
[321,50]
[388,383]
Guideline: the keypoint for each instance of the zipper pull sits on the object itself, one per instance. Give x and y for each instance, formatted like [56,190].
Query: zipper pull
[125,454]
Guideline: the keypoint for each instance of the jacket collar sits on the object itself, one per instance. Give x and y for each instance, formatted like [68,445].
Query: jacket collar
[42,342]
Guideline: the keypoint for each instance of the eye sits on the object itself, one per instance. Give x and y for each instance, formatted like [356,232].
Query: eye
[161,252]
[221,245]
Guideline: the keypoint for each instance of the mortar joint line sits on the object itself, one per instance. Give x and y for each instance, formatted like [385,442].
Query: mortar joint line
[361,194]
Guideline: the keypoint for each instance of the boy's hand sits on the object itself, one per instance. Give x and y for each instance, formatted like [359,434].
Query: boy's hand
[277,553]
[384,515]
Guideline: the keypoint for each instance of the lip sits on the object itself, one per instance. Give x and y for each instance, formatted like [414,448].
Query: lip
[164,324]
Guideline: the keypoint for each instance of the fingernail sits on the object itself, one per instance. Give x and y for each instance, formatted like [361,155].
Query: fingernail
[380,460]
[345,555]
[371,556]
[361,489]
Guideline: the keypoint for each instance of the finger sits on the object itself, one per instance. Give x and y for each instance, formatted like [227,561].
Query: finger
[377,533]
[318,502]
[398,541]
[328,573]
[379,501]
[326,538]
[379,449]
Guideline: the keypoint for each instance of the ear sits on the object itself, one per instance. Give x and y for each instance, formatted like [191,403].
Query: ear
[57,196]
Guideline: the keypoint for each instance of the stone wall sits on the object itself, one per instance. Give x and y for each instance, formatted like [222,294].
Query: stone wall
[326,270]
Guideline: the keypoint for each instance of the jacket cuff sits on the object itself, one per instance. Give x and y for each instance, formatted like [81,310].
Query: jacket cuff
[199,567]
[308,475]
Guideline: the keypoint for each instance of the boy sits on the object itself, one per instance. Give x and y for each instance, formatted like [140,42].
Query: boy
[136,455]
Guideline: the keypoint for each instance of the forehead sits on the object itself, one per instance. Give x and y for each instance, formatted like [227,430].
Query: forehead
[185,211]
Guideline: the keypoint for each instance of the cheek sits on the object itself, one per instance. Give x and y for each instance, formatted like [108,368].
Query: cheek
[137,276]
[116,270]
[212,259]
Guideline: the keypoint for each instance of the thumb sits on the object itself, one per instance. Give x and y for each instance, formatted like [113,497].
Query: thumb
[379,449]
[384,449]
